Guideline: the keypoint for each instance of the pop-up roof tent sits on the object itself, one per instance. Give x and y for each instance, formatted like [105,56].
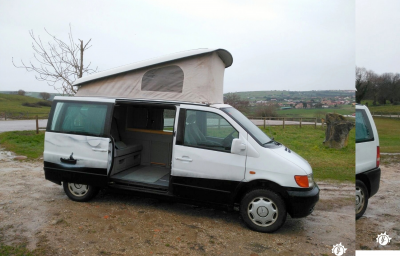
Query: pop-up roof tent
[190,76]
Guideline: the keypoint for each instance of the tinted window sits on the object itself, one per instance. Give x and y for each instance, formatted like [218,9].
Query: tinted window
[363,127]
[208,130]
[80,118]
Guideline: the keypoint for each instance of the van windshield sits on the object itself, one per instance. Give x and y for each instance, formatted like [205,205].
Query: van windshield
[251,128]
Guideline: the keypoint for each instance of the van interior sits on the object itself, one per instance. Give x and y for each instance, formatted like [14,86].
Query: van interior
[143,137]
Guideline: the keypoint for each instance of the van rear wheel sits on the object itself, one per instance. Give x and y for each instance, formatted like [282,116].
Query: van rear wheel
[361,198]
[263,210]
[80,192]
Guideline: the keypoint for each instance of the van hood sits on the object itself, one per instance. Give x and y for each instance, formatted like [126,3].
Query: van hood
[293,157]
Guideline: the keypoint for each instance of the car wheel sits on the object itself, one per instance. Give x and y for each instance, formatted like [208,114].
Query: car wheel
[79,192]
[263,210]
[361,198]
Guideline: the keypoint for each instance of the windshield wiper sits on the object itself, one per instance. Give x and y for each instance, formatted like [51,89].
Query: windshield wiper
[271,141]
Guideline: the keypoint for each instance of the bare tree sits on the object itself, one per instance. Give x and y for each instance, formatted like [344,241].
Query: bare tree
[361,83]
[45,95]
[264,110]
[58,63]
[235,101]
[21,92]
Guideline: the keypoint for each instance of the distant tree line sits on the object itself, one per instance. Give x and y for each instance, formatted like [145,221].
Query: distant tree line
[378,88]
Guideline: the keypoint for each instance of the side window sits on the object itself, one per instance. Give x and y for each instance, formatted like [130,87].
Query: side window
[169,117]
[79,118]
[363,127]
[208,130]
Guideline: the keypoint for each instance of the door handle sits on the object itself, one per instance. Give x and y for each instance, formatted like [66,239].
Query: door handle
[99,149]
[184,158]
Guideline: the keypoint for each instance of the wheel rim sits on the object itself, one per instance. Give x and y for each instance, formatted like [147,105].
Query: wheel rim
[359,199]
[262,211]
[78,189]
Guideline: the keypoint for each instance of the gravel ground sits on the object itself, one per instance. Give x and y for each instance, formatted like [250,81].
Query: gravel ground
[382,214]
[36,212]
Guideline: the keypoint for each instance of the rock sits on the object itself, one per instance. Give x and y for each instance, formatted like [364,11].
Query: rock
[20,157]
[337,131]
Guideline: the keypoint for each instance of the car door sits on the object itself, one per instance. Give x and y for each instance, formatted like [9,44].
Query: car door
[203,167]
[77,145]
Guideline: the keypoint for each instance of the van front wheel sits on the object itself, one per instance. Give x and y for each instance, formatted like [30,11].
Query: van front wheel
[79,192]
[361,198]
[263,210]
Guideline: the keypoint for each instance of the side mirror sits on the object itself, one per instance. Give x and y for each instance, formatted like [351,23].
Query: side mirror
[237,146]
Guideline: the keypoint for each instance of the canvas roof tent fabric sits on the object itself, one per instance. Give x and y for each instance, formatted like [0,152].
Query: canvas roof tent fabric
[190,76]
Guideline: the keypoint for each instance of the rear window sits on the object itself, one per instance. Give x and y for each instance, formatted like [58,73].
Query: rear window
[80,118]
[363,127]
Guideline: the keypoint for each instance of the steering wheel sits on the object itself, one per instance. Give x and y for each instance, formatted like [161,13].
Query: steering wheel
[227,141]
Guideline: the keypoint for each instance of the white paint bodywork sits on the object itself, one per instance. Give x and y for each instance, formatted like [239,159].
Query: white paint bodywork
[273,164]
[90,152]
[366,151]
[209,164]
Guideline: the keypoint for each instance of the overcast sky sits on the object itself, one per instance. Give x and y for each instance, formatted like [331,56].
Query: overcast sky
[378,35]
[276,45]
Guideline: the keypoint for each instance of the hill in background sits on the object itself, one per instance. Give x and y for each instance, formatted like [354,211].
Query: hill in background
[33,94]
[14,106]
[293,95]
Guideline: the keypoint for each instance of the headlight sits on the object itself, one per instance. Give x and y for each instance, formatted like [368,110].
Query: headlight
[310,180]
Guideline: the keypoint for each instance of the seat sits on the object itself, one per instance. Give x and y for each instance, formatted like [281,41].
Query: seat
[121,148]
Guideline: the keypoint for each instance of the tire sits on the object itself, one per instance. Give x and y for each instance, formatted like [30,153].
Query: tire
[263,210]
[80,192]
[361,198]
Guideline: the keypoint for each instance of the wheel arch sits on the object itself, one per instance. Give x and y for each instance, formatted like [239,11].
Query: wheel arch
[245,187]
[365,180]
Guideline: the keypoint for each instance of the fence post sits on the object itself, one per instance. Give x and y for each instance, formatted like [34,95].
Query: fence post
[37,125]
[315,126]
[283,123]
[5,116]
[264,122]
[300,121]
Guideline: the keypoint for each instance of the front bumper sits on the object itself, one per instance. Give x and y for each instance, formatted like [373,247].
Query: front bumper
[300,203]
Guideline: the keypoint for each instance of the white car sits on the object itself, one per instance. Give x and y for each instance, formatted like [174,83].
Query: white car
[368,172]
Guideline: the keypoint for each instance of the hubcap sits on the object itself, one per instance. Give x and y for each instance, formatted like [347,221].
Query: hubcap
[359,199]
[78,189]
[262,211]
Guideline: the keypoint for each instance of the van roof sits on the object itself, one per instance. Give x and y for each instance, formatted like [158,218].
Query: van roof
[225,56]
[193,76]
[127,100]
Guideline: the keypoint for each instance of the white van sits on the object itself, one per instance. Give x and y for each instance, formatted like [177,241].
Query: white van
[368,173]
[161,127]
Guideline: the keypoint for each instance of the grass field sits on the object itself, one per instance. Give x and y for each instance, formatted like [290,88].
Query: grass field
[384,109]
[12,105]
[313,112]
[389,134]
[327,163]
[25,143]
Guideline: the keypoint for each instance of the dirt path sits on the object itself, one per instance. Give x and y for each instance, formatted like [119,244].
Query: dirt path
[36,212]
[382,214]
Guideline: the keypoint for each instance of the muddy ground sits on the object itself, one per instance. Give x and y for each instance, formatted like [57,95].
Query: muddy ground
[383,212]
[36,212]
